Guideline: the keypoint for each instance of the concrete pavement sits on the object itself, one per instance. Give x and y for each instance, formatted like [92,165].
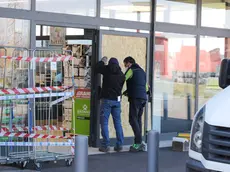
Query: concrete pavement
[169,161]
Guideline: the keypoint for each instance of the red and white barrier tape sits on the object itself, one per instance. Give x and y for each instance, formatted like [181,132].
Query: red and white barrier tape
[32,136]
[39,59]
[31,90]
[37,128]
[67,144]
[72,150]
[28,96]
[72,141]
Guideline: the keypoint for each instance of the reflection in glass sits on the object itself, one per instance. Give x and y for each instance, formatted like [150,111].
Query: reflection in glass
[174,89]
[25,4]
[76,7]
[216,14]
[212,51]
[14,32]
[179,12]
[135,10]
[38,30]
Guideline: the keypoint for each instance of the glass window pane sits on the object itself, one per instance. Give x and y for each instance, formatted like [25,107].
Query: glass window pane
[216,14]
[212,51]
[25,4]
[179,12]
[14,32]
[38,30]
[74,31]
[45,30]
[136,10]
[175,67]
[76,7]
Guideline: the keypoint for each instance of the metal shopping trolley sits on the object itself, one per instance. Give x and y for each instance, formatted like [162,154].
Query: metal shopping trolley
[13,112]
[48,109]
[38,137]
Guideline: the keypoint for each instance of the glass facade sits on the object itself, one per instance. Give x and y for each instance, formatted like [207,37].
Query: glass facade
[76,7]
[212,51]
[182,48]
[175,71]
[25,4]
[136,10]
[14,32]
[215,14]
[179,12]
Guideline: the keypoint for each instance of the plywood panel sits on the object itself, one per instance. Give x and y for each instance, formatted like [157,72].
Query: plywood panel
[121,47]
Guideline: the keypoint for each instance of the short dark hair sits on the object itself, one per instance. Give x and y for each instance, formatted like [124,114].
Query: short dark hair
[129,59]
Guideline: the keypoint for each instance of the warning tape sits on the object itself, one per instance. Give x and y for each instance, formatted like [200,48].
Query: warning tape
[60,100]
[37,128]
[32,136]
[72,150]
[31,90]
[39,59]
[36,144]
[27,96]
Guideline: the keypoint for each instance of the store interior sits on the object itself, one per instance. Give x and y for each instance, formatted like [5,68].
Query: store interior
[53,41]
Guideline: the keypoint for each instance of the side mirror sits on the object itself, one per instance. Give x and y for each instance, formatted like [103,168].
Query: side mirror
[224,76]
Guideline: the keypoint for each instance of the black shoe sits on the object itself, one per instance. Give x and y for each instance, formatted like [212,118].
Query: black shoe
[118,148]
[104,149]
[137,148]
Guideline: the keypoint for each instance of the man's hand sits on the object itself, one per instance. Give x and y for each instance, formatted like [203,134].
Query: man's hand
[105,59]
[125,93]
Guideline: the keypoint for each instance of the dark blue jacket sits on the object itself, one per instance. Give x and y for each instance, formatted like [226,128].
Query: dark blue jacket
[136,82]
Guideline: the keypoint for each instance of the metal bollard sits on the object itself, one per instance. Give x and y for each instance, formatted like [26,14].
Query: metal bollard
[81,154]
[153,151]
[189,106]
[165,106]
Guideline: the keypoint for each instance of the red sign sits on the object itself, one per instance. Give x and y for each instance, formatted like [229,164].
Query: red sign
[83,93]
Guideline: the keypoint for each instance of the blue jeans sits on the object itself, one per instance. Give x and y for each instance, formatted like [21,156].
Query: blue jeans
[111,107]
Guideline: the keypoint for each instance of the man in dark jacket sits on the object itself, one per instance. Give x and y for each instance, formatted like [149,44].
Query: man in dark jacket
[137,95]
[113,81]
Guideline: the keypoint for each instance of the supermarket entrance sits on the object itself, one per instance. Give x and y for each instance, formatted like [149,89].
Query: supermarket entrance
[80,43]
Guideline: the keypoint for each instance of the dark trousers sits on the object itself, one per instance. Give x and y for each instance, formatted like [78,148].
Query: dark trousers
[136,107]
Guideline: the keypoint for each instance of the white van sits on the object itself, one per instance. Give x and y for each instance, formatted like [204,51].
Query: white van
[210,136]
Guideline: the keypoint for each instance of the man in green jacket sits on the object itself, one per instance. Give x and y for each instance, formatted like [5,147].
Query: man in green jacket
[137,90]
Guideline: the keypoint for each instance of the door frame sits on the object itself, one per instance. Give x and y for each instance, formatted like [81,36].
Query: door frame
[128,140]
[95,43]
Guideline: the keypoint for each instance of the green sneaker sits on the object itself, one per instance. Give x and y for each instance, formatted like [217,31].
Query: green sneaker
[137,148]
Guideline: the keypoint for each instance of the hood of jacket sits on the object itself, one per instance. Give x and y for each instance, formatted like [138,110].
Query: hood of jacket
[114,68]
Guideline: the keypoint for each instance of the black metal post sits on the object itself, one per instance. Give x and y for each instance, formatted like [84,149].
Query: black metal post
[165,106]
[151,53]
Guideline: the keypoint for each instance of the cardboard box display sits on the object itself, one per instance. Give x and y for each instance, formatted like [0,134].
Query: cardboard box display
[81,83]
[67,124]
[82,72]
[67,71]
[67,111]
[77,61]
[76,72]
[68,81]
[68,118]
[68,104]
